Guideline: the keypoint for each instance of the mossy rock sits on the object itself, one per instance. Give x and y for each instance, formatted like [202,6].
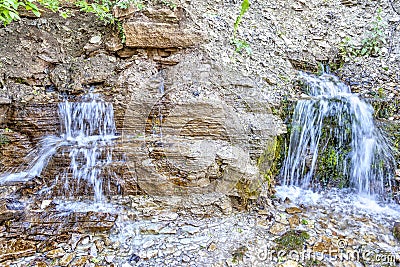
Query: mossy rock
[292,240]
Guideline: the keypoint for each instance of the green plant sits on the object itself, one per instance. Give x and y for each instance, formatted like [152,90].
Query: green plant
[304,222]
[4,140]
[9,10]
[101,8]
[371,45]
[169,4]
[240,44]
[292,240]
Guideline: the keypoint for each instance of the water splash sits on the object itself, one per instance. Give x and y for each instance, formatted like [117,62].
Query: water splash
[38,159]
[336,122]
[87,133]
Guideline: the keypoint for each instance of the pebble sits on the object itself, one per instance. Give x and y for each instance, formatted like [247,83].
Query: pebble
[95,39]
[190,229]
[148,244]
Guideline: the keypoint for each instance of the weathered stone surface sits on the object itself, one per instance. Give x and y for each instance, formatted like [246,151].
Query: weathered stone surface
[158,35]
[46,225]
[396,231]
[293,210]
[160,28]
[74,75]
[10,210]
[277,229]
[16,248]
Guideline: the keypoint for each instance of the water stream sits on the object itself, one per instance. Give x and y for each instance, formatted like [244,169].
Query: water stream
[334,141]
[87,134]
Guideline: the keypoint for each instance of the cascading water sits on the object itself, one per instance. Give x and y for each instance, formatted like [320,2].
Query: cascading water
[336,123]
[87,132]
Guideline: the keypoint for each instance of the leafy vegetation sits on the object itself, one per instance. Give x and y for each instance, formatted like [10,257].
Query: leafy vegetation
[240,44]
[371,45]
[3,139]
[292,240]
[9,9]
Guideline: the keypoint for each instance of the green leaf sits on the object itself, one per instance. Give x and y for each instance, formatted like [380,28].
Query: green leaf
[245,7]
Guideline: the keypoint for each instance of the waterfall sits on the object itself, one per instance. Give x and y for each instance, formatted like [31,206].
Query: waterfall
[334,141]
[87,134]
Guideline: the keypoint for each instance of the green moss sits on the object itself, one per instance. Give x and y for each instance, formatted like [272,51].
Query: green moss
[292,240]
[270,162]
[3,140]
[313,262]
[385,108]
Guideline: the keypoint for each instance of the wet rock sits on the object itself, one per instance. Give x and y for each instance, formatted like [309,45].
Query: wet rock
[293,210]
[10,210]
[12,249]
[289,263]
[67,259]
[277,229]
[80,261]
[55,253]
[396,231]
[294,221]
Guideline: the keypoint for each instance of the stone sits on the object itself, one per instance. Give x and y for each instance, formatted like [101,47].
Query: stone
[80,261]
[212,247]
[396,230]
[114,44]
[55,253]
[67,259]
[158,35]
[148,244]
[190,229]
[289,263]
[294,221]
[168,216]
[99,245]
[5,101]
[277,229]
[18,248]
[293,210]
[45,203]
[10,210]
[109,258]
[95,39]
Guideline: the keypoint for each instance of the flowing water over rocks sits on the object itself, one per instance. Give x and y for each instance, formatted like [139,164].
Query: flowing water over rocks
[152,231]
[336,126]
[87,133]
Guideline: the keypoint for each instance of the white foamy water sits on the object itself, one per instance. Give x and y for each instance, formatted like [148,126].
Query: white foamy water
[343,201]
[87,133]
[361,154]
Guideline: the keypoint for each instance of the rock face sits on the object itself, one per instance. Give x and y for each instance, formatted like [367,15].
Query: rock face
[194,117]
[396,231]
[159,28]
[188,124]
